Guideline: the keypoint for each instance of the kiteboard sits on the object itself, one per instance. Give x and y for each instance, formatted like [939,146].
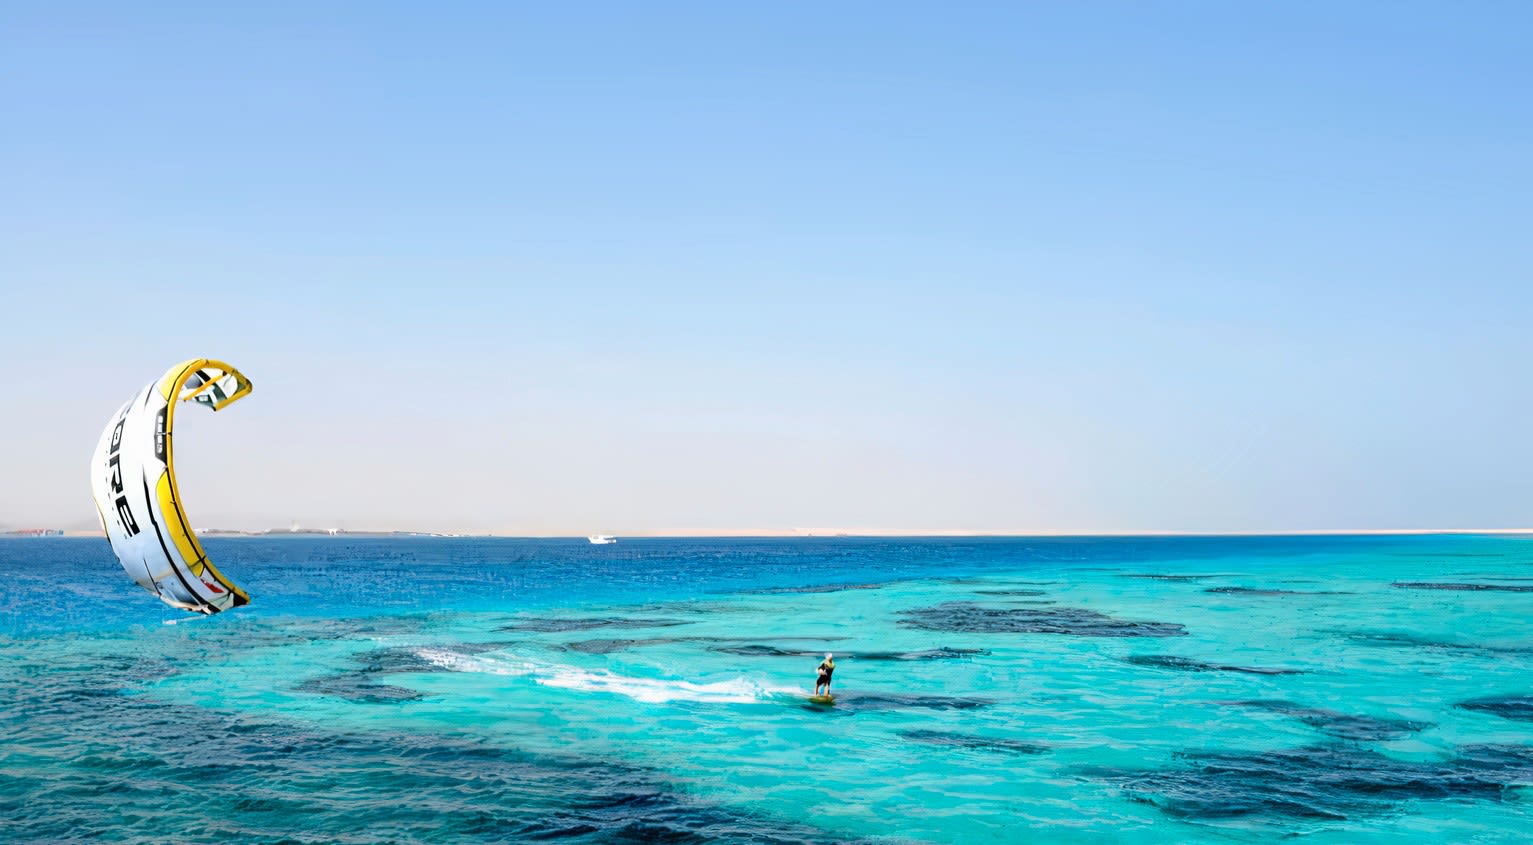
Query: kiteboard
[822,699]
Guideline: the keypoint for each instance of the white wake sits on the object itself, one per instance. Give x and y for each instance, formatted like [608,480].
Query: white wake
[739,690]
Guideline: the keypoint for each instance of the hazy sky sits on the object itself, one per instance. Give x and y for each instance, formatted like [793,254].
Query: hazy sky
[574,267]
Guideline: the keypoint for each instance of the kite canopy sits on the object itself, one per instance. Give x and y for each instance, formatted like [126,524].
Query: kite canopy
[133,480]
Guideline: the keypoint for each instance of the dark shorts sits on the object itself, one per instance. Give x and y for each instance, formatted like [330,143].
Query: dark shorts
[822,679]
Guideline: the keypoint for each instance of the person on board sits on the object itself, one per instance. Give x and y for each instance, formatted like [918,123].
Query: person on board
[824,670]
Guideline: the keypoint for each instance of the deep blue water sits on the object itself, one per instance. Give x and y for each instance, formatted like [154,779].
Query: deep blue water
[1348,689]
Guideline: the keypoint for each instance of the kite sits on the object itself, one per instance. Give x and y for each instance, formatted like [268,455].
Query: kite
[133,479]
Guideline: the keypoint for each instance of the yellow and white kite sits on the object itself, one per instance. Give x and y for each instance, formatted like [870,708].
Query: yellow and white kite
[133,480]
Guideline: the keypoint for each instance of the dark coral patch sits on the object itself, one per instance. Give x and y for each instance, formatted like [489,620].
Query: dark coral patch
[607,646]
[940,653]
[353,687]
[1435,585]
[693,606]
[1187,664]
[1395,640]
[558,624]
[1337,724]
[1256,591]
[821,588]
[1332,782]
[759,650]
[992,581]
[970,618]
[972,742]
[874,701]
[1518,707]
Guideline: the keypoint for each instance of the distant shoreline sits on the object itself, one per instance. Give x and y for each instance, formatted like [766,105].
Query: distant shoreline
[783,534]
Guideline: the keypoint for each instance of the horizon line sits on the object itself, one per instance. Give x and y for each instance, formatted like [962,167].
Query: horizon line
[813,533]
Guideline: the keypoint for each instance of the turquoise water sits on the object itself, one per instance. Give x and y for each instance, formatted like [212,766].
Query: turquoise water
[1349,689]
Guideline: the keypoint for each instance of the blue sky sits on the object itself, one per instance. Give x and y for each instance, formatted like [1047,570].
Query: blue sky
[560,268]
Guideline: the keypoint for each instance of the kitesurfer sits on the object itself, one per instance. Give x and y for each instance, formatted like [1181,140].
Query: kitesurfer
[824,670]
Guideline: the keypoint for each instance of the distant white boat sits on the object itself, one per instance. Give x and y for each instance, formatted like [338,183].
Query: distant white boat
[601,539]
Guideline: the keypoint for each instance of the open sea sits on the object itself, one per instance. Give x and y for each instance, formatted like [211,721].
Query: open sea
[1372,689]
